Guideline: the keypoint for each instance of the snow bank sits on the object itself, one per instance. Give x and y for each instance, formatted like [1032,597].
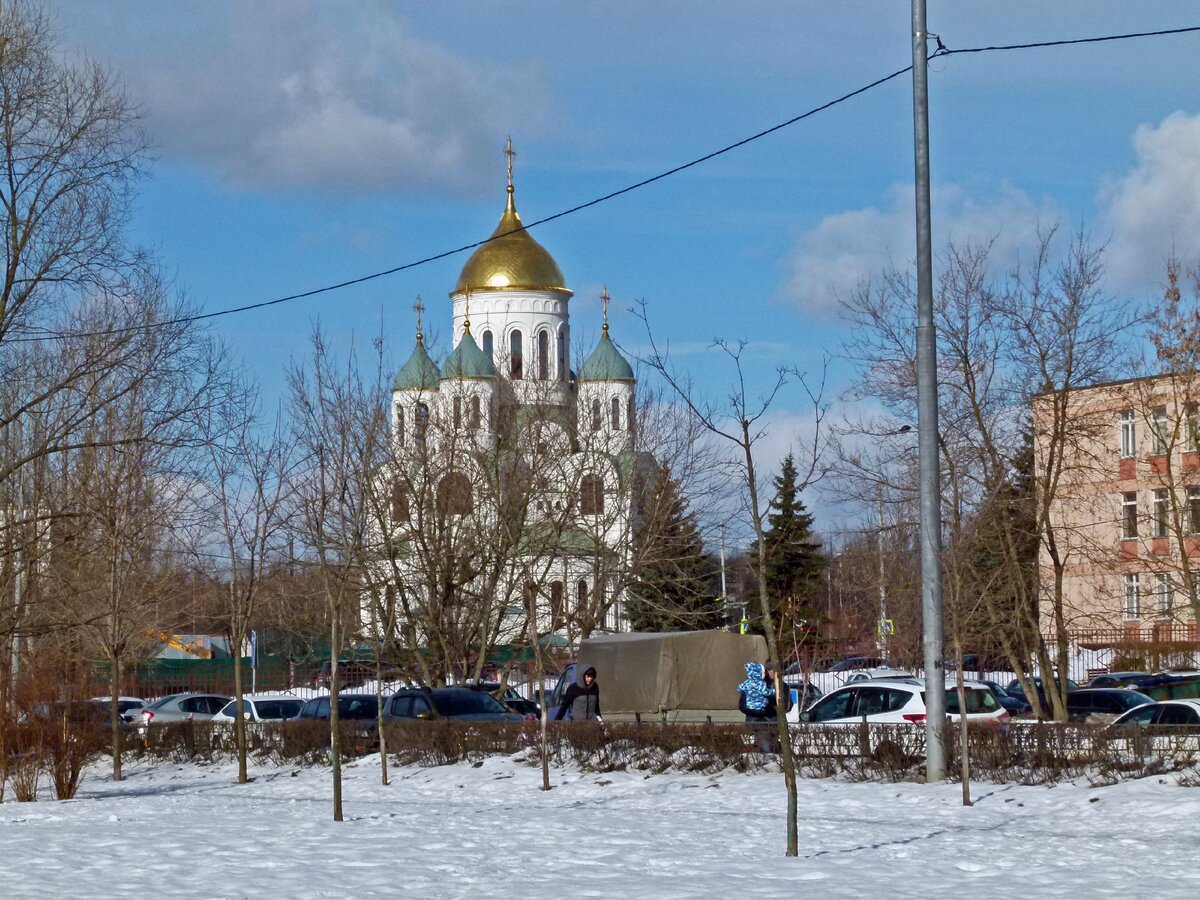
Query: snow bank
[488,831]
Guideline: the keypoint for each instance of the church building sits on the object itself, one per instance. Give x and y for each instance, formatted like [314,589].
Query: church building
[533,470]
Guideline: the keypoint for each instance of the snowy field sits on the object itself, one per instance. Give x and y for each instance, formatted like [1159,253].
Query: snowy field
[190,831]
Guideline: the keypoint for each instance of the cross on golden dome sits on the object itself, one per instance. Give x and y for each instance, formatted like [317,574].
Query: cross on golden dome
[510,153]
[420,308]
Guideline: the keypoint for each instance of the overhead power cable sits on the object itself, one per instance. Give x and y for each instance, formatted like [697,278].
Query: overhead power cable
[942,51]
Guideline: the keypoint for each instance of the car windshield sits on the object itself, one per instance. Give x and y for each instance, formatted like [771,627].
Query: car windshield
[1132,699]
[465,703]
[277,709]
[357,707]
[978,701]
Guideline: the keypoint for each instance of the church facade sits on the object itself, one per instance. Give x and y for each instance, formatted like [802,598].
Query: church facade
[517,478]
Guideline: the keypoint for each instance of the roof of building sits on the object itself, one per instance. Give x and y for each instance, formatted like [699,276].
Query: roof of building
[511,260]
[606,363]
[420,373]
[468,361]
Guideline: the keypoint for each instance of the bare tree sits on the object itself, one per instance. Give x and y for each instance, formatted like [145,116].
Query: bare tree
[337,461]
[247,487]
[742,422]
[1012,351]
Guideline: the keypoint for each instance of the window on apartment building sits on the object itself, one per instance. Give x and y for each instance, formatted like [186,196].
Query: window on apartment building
[1161,513]
[1162,594]
[1129,515]
[1159,430]
[1133,597]
[1192,424]
[1194,509]
[1128,435]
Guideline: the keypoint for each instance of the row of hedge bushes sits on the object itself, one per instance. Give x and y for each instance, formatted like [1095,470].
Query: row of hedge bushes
[1025,754]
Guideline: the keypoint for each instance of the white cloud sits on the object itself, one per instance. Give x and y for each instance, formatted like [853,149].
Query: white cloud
[342,95]
[1154,210]
[831,259]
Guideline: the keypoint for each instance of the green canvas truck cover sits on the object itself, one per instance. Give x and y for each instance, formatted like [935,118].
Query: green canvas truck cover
[677,676]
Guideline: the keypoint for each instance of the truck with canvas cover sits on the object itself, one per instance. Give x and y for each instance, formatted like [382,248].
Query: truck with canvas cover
[675,676]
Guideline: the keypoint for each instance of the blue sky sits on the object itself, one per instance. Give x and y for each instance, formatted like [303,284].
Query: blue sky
[300,144]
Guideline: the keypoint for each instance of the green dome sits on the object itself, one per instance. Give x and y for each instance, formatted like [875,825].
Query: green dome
[606,364]
[419,373]
[468,361]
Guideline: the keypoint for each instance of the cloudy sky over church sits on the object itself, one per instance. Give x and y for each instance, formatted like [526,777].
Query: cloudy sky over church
[300,144]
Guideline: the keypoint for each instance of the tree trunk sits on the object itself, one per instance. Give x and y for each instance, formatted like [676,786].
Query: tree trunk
[239,723]
[383,760]
[114,711]
[785,735]
[335,738]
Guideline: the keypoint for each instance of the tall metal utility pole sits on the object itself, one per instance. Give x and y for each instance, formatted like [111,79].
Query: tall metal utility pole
[884,634]
[927,420]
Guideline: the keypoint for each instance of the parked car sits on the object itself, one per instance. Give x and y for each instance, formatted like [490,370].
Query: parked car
[354,707]
[182,708]
[803,695]
[1015,705]
[128,708]
[262,708]
[508,697]
[877,672]
[454,703]
[1014,690]
[897,700]
[1164,728]
[1118,679]
[1103,704]
[856,662]
[350,674]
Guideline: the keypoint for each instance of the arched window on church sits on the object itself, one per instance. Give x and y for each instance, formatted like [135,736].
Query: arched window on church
[615,414]
[454,495]
[487,345]
[562,355]
[475,416]
[591,495]
[582,592]
[631,417]
[421,425]
[543,355]
[597,420]
[400,424]
[457,413]
[399,502]
[556,603]
[515,359]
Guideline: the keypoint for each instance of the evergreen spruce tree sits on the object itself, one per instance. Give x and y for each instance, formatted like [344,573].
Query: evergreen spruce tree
[672,587]
[794,559]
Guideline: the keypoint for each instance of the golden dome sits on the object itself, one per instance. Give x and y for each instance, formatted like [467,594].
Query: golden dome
[511,260]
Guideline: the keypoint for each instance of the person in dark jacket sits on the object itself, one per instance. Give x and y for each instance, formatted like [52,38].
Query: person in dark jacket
[582,699]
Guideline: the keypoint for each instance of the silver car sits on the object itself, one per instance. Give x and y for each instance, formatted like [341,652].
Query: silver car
[182,708]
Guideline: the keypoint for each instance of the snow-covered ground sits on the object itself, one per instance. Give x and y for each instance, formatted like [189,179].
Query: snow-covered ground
[458,831]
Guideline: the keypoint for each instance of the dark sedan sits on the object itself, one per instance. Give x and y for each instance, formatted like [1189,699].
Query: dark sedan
[353,707]
[455,704]
[1103,704]
[509,697]
[1119,679]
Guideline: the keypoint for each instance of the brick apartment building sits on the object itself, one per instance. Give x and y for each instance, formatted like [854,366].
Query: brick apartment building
[1126,510]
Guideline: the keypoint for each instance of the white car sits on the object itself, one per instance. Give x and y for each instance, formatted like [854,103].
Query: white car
[261,708]
[898,700]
